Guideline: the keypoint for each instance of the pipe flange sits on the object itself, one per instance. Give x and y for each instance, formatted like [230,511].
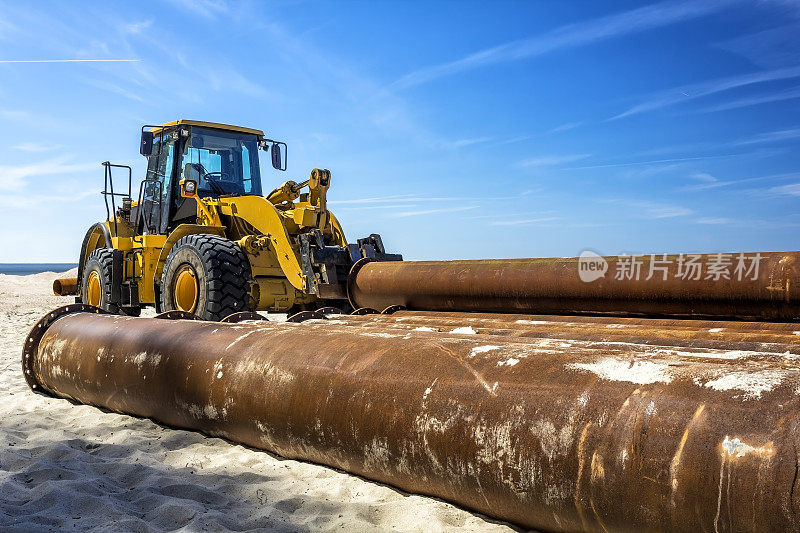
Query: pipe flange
[330,311]
[393,309]
[177,315]
[241,316]
[365,311]
[302,316]
[351,278]
[37,332]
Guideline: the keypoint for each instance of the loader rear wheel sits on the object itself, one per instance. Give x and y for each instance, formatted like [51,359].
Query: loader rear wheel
[206,275]
[96,283]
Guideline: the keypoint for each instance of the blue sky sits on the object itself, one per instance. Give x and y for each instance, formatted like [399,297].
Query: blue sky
[454,129]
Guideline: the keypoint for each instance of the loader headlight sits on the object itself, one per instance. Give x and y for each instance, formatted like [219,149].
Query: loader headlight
[189,187]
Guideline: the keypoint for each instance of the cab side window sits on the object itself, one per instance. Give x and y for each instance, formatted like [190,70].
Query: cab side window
[159,166]
[156,186]
[245,163]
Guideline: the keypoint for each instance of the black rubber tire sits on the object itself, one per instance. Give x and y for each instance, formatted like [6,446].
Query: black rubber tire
[223,275]
[101,261]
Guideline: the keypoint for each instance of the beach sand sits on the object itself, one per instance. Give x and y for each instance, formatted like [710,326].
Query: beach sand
[66,466]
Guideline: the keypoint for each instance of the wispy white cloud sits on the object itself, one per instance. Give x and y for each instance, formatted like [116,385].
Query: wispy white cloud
[791,94]
[648,171]
[381,199]
[347,89]
[135,28]
[36,147]
[5,61]
[566,127]
[205,8]
[770,48]
[403,198]
[687,93]
[364,100]
[518,215]
[706,185]
[461,143]
[653,210]
[749,223]
[512,140]
[15,177]
[570,36]
[550,160]
[792,189]
[704,177]
[716,221]
[151,61]
[222,79]
[5,28]
[772,136]
[403,214]
[651,162]
[14,114]
[27,201]
[704,181]
[666,211]
[374,207]
[116,89]
[524,221]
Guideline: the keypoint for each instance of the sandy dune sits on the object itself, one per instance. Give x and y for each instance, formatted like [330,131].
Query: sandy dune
[65,466]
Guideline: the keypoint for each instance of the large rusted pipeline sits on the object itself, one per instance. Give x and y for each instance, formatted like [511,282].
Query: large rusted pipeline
[65,286]
[554,286]
[611,322]
[701,334]
[560,436]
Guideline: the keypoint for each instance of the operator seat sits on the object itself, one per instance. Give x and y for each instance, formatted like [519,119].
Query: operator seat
[193,171]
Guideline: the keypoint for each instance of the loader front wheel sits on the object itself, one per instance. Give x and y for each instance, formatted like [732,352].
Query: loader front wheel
[96,282]
[206,275]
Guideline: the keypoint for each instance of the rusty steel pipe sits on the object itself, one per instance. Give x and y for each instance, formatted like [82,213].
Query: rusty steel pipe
[555,286]
[528,319]
[65,286]
[566,436]
[590,326]
[702,334]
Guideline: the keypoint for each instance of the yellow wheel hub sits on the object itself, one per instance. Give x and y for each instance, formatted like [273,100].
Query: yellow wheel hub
[184,290]
[94,289]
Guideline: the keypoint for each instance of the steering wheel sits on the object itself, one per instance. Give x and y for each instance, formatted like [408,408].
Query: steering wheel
[231,186]
[208,176]
[221,174]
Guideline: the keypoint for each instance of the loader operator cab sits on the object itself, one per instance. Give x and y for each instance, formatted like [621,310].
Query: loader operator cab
[221,159]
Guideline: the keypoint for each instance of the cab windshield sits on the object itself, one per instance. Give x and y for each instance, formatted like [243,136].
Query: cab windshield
[222,162]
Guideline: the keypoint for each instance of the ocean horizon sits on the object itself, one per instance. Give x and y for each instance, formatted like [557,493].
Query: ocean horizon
[25,269]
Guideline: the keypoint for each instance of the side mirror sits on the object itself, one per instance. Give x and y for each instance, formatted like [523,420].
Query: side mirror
[278,161]
[276,156]
[146,146]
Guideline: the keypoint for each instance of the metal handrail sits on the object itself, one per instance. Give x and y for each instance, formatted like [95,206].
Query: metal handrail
[109,184]
[158,185]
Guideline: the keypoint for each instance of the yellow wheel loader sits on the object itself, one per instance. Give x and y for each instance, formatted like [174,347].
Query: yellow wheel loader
[202,237]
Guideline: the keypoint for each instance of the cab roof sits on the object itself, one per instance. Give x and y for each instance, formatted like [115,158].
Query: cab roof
[215,125]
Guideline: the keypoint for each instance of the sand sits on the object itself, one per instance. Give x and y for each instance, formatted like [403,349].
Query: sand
[66,466]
